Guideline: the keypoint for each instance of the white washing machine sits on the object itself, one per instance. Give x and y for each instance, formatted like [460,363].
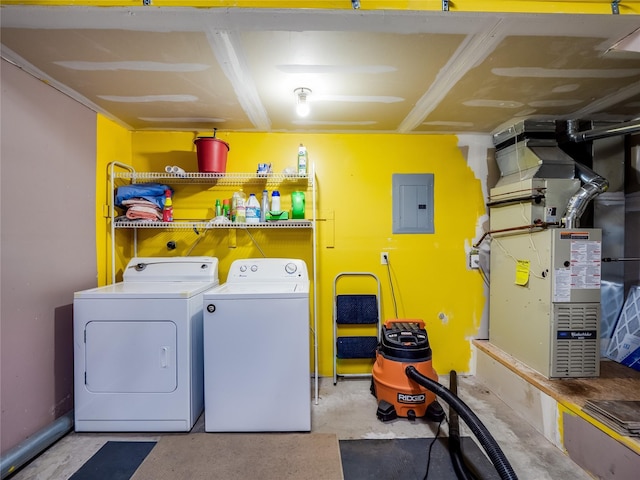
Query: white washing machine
[256,348]
[138,347]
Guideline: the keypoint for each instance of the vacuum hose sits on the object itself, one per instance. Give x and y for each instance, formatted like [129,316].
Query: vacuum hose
[455,451]
[489,444]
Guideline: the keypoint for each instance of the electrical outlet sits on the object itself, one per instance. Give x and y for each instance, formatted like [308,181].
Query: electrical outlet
[384,258]
[474,259]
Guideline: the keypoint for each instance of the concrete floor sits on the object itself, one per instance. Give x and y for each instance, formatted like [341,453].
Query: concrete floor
[349,410]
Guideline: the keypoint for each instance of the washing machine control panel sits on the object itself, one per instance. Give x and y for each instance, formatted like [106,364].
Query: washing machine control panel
[253,268]
[290,268]
[268,269]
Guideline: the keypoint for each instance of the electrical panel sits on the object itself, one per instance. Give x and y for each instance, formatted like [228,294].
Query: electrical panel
[413,203]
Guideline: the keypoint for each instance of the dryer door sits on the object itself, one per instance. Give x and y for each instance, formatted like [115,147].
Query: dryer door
[130,356]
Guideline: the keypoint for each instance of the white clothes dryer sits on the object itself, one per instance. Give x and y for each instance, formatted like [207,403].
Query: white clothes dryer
[256,348]
[138,347]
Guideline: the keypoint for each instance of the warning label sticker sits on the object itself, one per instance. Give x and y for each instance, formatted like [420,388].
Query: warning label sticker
[586,259]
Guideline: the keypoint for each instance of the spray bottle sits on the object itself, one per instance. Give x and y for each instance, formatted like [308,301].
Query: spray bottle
[226,210]
[167,211]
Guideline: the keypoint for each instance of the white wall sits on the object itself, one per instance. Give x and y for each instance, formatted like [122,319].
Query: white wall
[47,230]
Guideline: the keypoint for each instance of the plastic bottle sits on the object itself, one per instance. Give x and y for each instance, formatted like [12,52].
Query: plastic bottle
[238,207]
[241,213]
[225,208]
[302,160]
[264,206]
[167,211]
[297,205]
[253,209]
[218,208]
[275,201]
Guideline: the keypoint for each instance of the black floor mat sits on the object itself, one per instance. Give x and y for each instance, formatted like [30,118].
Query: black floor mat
[406,459]
[114,461]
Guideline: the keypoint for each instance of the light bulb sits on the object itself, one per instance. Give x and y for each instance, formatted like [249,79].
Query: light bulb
[302,106]
[302,109]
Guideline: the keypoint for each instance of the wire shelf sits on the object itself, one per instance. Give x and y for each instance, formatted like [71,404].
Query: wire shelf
[210,225]
[217,178]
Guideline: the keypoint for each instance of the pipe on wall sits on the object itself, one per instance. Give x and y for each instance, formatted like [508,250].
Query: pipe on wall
[594,184]
[601,132]
[26,450]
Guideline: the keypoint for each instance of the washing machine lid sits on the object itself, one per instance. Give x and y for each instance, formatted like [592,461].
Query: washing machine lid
[248,290]
[171,269]
[140,290]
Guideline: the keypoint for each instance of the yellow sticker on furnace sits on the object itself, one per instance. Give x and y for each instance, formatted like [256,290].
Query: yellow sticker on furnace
[522,272]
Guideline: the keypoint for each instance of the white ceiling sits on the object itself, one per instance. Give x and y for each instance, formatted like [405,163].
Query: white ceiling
[387,71]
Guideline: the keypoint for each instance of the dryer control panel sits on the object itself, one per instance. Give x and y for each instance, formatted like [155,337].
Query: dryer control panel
[171,269]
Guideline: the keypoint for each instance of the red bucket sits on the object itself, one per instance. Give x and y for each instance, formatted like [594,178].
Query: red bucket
[212,154]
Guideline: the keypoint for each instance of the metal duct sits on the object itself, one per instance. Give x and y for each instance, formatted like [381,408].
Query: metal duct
[602,132]
[593,186]
[533,158]
[529,150]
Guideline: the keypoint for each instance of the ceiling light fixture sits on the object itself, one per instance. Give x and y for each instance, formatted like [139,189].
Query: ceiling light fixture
[302,104]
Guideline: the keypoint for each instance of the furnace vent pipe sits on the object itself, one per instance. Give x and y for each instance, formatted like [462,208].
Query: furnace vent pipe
[602,132]
[593,186]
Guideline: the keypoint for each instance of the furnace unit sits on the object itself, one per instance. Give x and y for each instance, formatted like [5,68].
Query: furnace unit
[545,278]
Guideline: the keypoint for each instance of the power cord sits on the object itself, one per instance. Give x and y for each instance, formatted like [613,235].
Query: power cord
[393,293]
[426,474]
[195,244]
[255,243]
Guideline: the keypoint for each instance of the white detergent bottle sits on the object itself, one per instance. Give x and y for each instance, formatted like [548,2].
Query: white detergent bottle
[275,201]
[253,209]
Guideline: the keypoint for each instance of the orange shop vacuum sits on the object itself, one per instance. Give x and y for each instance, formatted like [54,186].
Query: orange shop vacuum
[404,343]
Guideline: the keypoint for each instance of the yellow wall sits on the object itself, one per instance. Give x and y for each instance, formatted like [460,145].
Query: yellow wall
[430,277]
[113,143]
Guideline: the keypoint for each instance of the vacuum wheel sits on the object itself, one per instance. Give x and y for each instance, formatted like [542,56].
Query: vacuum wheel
[434,412]
[386,411]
